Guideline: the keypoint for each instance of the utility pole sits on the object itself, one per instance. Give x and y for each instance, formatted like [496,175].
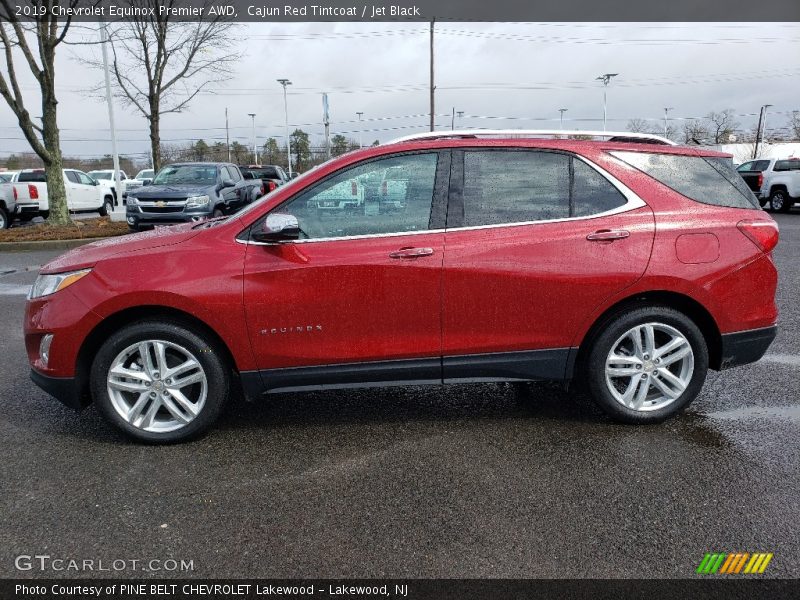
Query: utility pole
[284,83]
[227,135]
[762,119]
[326,121]
[453,120]
[561,116]
[255,155]
[432,86]
[117,184]
[360,132]
[666,112]
[606,79]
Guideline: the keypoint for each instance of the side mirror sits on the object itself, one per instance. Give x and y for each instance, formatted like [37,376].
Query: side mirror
[226,183]
[277,227]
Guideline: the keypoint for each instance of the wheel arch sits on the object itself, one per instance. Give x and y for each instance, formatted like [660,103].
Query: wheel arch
[675,300]
[113,322]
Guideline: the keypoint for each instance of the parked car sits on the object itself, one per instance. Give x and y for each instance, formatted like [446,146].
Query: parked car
[84,194]
[145,176]
[186,192]
[11,207]
[782,184]
[753,174]
[271,176]
[611,264]
[126,184]
[7,176]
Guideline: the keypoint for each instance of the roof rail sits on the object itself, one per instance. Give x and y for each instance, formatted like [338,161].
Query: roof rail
[612,136]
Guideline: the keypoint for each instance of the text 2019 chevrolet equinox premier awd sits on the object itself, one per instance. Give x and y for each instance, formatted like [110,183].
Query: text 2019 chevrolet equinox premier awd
[628,265]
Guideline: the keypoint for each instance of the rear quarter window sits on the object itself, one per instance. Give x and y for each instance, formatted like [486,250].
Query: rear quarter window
[707,180]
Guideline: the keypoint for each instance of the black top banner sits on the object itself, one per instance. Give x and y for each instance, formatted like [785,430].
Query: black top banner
[264,11]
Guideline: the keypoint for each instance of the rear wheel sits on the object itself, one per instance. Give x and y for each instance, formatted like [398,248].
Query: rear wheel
[160,382]
[779,201]
[5,222]
[646,365]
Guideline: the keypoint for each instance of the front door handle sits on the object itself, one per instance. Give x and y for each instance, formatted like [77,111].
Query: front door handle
[411,252]
[608,235]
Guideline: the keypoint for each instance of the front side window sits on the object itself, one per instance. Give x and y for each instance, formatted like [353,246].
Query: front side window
[513,186]
[359,201]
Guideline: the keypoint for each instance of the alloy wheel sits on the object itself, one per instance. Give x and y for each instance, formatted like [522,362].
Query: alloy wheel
[157,386]
[649,367]
[777,201]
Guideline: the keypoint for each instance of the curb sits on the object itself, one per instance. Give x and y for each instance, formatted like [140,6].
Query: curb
[46,244]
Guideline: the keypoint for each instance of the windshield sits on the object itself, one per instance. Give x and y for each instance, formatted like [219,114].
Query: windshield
[187,175]
[99,174]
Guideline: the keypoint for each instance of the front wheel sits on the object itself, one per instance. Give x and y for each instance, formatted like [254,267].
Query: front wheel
[779,201]
[646,365]
[160,382]
[108,206]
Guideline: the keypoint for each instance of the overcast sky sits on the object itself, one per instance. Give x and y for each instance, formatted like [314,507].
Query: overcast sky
[522,71]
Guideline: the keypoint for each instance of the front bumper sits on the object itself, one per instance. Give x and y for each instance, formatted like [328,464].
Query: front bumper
[64,389]
[744,347]
[147,219]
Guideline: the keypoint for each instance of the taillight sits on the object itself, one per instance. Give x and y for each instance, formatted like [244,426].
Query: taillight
[272,186]
[33,192]
[764,234]
[760,179]
[354,188]
[384,188]
[263,189]
[15,194]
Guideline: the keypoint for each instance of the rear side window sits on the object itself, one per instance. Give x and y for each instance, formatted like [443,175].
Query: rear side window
[32,176]
[521,186]
[703,179]
[787,165]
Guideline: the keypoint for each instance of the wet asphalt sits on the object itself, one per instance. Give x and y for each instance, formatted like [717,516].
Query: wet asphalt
[463,481]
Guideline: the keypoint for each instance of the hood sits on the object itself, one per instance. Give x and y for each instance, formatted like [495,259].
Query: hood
[90,254]
[172,191]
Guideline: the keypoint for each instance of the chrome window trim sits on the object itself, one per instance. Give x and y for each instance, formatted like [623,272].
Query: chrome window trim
[633,201]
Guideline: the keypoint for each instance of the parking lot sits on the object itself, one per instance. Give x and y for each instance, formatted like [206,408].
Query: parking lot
[464,481]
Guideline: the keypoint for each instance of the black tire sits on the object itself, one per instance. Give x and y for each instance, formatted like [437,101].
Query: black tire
[197,343]
[5,221]
[45,214]
[594,365]
[779,201]
[217,213]
[108,206]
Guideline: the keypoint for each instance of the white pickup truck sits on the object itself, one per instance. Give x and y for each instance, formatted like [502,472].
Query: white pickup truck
[782,184]
[84,194]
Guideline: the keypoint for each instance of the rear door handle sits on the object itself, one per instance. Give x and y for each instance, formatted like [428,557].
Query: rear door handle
[608,235]
[411,252]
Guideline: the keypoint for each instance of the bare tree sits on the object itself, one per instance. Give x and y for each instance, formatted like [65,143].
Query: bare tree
[694,132]
[39,35]
[160,65]
[794,125]
[639,126]
[721,125]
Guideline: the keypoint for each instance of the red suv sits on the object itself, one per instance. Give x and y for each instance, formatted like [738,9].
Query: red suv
[629,266]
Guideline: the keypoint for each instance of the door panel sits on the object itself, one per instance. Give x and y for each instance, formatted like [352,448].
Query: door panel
[530,287]
[343,301]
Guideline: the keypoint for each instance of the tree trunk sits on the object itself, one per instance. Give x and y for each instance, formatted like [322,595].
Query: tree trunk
[155,139]
[56,192]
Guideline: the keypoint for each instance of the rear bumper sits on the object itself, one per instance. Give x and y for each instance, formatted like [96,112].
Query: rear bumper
[744,347]
[63,389]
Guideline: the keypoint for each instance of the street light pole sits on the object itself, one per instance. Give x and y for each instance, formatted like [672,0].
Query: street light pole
[666,111]
[110,104]
[360,132]
[284,83]
[253,118]
[606,79]
[562,111]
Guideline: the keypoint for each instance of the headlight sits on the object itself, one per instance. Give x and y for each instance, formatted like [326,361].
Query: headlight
[132,200]
[197,201]
[50,284]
